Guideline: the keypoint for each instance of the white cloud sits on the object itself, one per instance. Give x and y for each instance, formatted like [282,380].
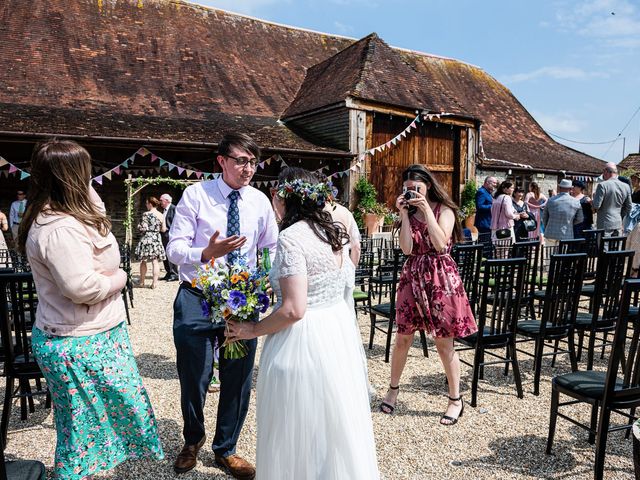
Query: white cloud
[562,122]
[616,22]
[558,73]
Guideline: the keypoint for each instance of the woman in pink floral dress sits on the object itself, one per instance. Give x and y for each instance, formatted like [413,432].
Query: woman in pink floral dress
[431,296]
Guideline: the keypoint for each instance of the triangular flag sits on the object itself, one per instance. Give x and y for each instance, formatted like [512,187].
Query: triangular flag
[284,165]
[108,175]
[116,170]
[98,180]
[132,158]
[3,161]
[417,120]
[268,160]
[198,174]
[413,124]
[24,175]
[261,165]
[354,168]
[171,166]
[154,157]
[394,141]
[162,162]
[388,144]
[180,170]
[12,168]
[143,152]
[404,134]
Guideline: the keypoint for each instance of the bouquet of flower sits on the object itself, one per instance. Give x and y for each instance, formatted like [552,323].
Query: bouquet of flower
[232,291]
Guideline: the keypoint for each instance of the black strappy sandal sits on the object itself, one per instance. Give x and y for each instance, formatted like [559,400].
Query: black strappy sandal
[384,405]
[451,420]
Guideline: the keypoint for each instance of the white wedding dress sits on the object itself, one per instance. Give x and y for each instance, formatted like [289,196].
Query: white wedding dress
[313,414]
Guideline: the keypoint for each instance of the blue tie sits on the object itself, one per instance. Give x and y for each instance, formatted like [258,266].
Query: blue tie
[233,223]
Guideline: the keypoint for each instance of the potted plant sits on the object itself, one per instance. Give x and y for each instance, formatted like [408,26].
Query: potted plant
[468,203]
[369,212]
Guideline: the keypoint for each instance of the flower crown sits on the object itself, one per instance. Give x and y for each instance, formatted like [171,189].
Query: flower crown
[320,193]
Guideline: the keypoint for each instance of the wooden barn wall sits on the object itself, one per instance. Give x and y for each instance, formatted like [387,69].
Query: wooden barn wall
[327,129]
[435,145]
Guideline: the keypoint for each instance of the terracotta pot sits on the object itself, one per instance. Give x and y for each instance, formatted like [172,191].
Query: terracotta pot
[373,223]
[470,220]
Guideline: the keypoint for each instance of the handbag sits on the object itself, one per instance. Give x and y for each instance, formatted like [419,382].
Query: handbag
[530,223]
[503,232]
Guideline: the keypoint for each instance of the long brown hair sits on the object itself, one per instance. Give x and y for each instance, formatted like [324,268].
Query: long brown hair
[304,208]
[435,193]
[60,176]
[533,187]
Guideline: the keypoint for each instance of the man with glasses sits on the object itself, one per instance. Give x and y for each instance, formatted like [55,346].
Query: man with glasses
[611,202]
[216,220]
[16,212]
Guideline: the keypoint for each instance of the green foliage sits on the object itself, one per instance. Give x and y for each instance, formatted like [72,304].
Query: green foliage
[367,201]
[468,199]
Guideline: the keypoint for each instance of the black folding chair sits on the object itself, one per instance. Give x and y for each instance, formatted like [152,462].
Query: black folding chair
[615,391]
[388,309]
[468,258]
[502,289]
[530,250]
[613,268]
[559,310]
[18,304]
[364,271]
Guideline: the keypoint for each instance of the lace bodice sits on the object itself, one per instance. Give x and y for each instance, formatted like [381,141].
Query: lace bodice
[301,252]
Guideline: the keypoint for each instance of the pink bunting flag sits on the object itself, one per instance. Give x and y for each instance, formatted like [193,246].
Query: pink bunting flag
[12,168]
[198,174]
[143,152]
[154,157]
[116,170]
[413,124]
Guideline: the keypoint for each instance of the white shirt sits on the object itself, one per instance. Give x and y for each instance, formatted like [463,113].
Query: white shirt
[203,209]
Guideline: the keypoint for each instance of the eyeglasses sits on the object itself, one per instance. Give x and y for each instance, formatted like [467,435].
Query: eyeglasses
[244,161]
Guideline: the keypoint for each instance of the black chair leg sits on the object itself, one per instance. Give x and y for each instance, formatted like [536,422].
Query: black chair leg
[580,343]
[476,376]
[590,350]
[553,417]
[387,349]
[555,352]
[537,365]
[423,341]
[126,307]
[604,344]
[601,443]
[594,423]
[47,401]
[372,331]
[572,353]
[29,395]
[516,369]
[6,409]
[22,390]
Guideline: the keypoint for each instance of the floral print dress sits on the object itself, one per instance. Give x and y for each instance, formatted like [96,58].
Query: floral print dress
[431,295]
[150,245]
[101,409]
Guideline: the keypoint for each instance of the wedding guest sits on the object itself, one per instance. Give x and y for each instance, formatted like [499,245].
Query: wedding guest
[101,409]
[16,212]
[430,295]
[168,212]
[560,214]
[503,217]
[635,187]
[519,206]
[611,201]
[535,202]
[217,219]
[149,248]
[577,192]
[313,414]
[482,222]
[4,226]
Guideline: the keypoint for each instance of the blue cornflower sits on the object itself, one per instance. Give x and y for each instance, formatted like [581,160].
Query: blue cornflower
[264,301]
[236,300]
[206,312]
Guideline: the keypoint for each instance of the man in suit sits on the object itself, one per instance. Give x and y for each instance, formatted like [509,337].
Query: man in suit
[16,212]
[484,200]
[612,201]
[169,211]
[560,214]
[216,220]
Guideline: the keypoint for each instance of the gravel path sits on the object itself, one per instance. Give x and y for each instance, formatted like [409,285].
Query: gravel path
[503,437]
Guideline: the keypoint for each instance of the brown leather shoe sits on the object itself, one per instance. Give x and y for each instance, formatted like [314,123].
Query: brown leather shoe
[188,457]
[237,466]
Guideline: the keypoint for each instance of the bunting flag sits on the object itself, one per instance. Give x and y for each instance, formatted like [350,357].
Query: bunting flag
[13,169]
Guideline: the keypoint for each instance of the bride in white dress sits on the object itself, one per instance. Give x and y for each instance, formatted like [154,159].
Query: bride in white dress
[313,414]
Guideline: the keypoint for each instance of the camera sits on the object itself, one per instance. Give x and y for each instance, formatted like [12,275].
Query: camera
[410,192]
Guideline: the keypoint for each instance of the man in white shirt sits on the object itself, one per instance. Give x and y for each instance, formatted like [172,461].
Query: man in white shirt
[205,215]
[16,212]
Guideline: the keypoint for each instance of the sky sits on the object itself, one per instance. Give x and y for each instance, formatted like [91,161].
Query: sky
[573,64]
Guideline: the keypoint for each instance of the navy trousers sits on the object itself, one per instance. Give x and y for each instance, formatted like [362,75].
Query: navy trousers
[193,336]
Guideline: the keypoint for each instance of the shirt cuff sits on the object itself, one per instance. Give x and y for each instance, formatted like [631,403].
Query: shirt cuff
[195,255]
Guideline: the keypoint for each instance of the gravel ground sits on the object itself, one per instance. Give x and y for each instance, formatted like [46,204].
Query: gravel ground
[504,437]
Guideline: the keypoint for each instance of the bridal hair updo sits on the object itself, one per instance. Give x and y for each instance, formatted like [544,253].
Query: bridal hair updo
[305,196]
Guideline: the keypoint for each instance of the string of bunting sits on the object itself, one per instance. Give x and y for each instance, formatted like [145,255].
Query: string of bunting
[13,169]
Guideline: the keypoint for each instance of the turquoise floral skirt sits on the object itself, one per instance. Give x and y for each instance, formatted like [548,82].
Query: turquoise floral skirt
[102,412]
